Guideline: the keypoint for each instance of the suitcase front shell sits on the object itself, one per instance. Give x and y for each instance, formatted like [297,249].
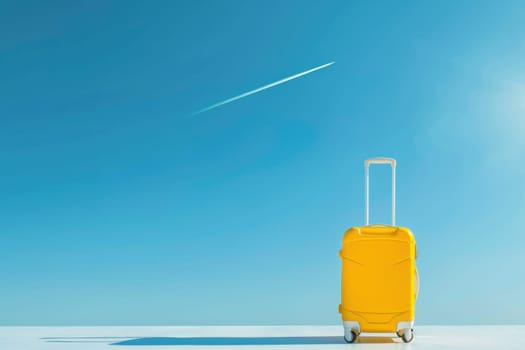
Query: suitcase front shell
[378,278]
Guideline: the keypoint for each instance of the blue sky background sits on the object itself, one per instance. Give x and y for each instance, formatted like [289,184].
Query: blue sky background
[119,207]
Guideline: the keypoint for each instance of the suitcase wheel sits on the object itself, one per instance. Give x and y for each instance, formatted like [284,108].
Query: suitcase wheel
[406,334]
[350,335]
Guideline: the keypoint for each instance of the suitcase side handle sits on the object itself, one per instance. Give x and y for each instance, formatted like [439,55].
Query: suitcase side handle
[380,160]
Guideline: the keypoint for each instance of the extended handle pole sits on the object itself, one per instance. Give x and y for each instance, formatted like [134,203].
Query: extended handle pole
[380,160]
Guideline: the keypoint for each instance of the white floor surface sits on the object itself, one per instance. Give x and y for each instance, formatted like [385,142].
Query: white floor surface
[253,338]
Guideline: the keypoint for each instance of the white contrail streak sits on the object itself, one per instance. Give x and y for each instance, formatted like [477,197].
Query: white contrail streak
[282,81]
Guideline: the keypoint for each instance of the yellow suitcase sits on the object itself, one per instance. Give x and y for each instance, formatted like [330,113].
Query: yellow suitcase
[379,276]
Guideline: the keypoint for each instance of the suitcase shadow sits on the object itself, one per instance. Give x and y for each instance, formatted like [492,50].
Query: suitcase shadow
[233,341]
[377,340]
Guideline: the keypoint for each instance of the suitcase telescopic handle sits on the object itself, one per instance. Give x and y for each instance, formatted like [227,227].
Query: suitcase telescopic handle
[380,160]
